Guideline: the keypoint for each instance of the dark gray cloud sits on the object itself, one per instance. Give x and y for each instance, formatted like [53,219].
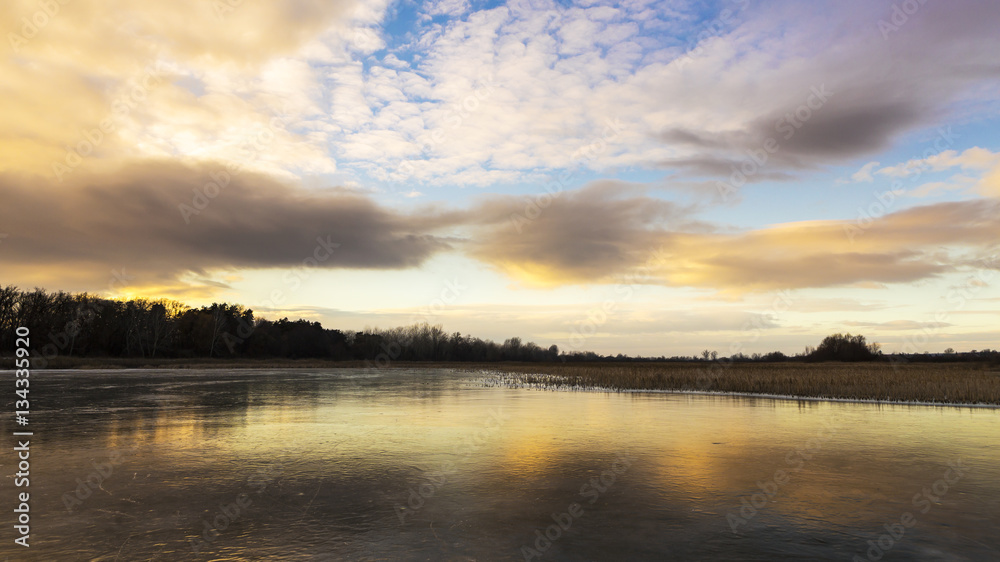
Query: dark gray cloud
[133,219]
[590,234]
[843,130]
[724,166]
[703,139]
[882,85]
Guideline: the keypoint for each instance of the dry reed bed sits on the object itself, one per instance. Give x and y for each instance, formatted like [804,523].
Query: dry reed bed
[953,383]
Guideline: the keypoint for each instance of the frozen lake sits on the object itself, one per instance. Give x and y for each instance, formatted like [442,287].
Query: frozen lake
[426,465]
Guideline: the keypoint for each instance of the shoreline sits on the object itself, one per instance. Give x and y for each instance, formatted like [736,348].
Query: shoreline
[970,385]
[788,397]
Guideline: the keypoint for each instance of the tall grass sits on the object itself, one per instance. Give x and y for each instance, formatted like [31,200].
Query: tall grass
[956,383]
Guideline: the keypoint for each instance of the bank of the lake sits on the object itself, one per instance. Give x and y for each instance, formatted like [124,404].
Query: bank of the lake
[913,382]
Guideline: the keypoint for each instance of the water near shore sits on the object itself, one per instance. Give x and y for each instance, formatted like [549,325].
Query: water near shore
[429,465]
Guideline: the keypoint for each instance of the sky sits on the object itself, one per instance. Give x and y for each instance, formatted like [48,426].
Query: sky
[641,177]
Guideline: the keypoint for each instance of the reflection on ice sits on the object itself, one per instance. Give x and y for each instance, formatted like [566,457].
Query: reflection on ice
[426,465]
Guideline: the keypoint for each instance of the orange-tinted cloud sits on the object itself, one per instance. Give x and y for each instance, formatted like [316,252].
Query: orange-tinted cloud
[589,236]
[164,77]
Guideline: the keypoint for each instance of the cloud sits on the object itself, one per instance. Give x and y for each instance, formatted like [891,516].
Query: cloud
[766,82]
[974,160]
[865,173]
[831,304]
[116,80]
[606,232]
[451,8]
[592,236]
[583,236]
[132,219]
[900,325]
[989,186]
[934,188]
[496,96]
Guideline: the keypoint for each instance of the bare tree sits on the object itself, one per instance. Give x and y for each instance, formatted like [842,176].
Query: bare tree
[219,322]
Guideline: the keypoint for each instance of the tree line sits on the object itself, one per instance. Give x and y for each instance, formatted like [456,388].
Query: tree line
[85,325]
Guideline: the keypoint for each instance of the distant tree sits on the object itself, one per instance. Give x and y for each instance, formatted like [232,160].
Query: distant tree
[845,347]
[775,356]
[512,349]
[9,304]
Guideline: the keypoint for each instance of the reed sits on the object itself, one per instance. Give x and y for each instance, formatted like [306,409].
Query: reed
[953,383]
